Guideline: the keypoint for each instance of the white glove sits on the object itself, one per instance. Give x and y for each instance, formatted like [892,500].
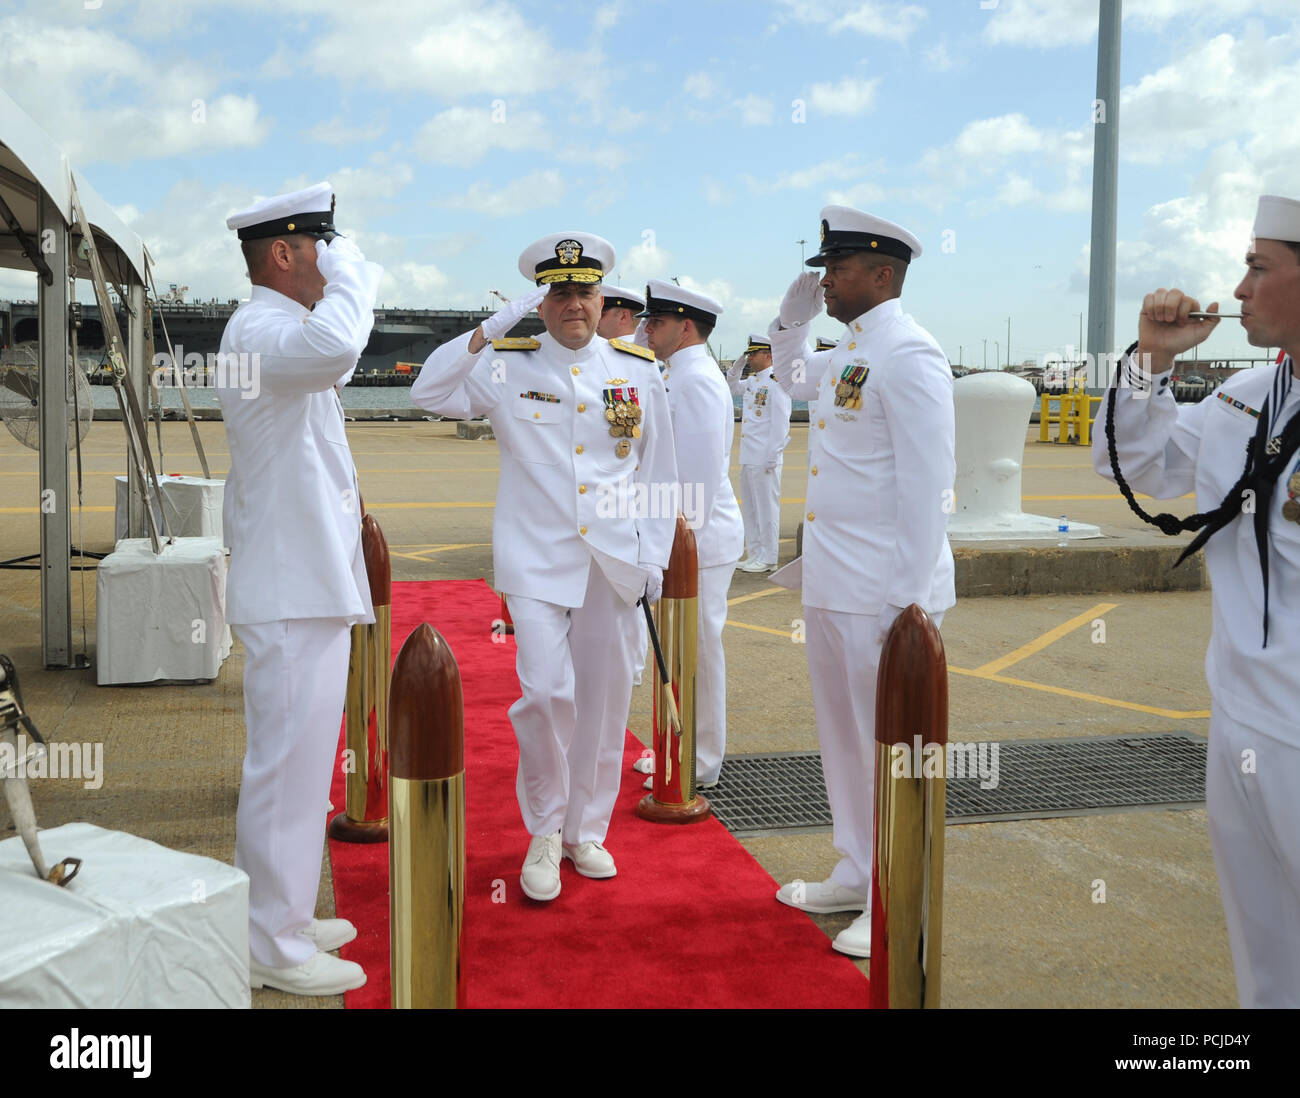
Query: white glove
[639,336]
[802,301]
[770,467]
[510,314]
[654,582]
[331,257]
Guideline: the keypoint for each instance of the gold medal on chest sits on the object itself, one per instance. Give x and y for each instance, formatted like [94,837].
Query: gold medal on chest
[623,448]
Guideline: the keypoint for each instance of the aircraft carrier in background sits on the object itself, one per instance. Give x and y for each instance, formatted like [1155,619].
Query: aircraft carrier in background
[400,337]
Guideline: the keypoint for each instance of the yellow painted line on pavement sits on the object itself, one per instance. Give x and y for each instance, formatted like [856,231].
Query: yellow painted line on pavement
[423,554]
[37,510]
[1172,714]
[450,505]
[756,595]
[1050,637]
[760,629]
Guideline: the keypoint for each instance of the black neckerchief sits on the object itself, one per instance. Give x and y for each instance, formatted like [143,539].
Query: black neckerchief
[1267,455]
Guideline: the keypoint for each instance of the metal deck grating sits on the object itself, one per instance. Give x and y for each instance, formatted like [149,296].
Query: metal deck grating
[1036,779]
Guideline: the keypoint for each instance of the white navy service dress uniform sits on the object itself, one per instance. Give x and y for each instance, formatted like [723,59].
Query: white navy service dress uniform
[881,458]
[570,544]
[1253,760]
[704,425]
[297,578]
[764,435]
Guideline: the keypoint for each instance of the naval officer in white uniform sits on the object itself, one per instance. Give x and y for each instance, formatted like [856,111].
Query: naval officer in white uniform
[764,435]
[297,581]
[1253,556]
[881,462]
[678,322]
[619,312]
[586,451]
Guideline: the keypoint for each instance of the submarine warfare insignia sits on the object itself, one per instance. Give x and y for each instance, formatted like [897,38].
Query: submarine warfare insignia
[848,392]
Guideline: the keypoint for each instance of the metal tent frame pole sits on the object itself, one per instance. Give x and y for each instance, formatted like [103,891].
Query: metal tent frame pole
[55,498]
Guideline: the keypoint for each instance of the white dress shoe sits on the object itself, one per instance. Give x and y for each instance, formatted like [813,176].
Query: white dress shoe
[645,764]
[329,934]
[855,939]
[755,566]
[540,878]
[821,897]
[590,859]
[321,974]
[711,783]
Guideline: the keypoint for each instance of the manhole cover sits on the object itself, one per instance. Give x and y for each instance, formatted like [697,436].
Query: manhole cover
[1035,778]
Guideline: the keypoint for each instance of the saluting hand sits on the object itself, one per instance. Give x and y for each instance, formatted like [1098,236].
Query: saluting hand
[802,301]
[331,257]
[1164,329]
[510,314]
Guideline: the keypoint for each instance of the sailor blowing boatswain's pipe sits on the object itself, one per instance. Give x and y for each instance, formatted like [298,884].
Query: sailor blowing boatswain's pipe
[582,423]
[1239,450]
[297,579]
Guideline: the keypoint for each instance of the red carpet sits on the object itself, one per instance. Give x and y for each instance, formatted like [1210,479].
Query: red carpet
[689,921]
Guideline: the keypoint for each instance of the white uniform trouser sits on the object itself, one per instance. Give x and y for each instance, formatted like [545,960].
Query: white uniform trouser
[711,673]
[1255,833]
[843,657]
[295,685]
[760,501]
[575,670]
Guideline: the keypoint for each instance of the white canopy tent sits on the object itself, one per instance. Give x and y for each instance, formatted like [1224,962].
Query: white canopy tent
[37,184]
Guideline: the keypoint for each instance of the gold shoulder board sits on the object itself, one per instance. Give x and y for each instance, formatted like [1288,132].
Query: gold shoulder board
[633,349]
[516,343]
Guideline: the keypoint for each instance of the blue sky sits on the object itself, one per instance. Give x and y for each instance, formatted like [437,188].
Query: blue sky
[701,138]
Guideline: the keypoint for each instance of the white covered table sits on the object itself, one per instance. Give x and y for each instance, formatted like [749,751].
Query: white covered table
[139,926]
[161,617]
[192,504]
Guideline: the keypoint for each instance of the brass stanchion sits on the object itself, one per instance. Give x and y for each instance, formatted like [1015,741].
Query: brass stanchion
[911,789]
[426,851]
[365,819]
[677,621]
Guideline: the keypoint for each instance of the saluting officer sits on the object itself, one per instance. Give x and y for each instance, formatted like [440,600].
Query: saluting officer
[297,582]
[881,439]
[678,322]
[764,435]
[585,439]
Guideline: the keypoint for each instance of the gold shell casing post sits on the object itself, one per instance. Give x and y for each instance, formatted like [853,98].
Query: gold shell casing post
[426,849]
[365,819]
[674,798]
[911,792]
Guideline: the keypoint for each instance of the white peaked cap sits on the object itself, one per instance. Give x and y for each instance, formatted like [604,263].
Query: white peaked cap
[1277,219]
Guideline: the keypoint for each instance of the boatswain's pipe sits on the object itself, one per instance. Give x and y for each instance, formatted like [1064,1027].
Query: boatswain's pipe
[674,798]
[369,671]
[907,859]
[426,851]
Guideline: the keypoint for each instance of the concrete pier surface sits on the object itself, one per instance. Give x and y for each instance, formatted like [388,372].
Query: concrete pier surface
[1023,925]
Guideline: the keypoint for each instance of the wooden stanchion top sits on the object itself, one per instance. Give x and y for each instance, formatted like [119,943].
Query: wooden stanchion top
[682,577]
[379,569]
[426,712]
[912,683]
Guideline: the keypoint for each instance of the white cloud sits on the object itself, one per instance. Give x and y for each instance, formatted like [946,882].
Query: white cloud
[413,285]
[863,195]
[715,193]
[826,171]
[464,135]
[700,85]
[337,132]
[129,106]
[937,57]
[754,110]
[850,96]
[531,192]
[442,47]
[1046,23]
[893,21]
[643,261]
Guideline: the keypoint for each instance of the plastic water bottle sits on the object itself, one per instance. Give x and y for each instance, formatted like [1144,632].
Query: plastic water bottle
[1063,533]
